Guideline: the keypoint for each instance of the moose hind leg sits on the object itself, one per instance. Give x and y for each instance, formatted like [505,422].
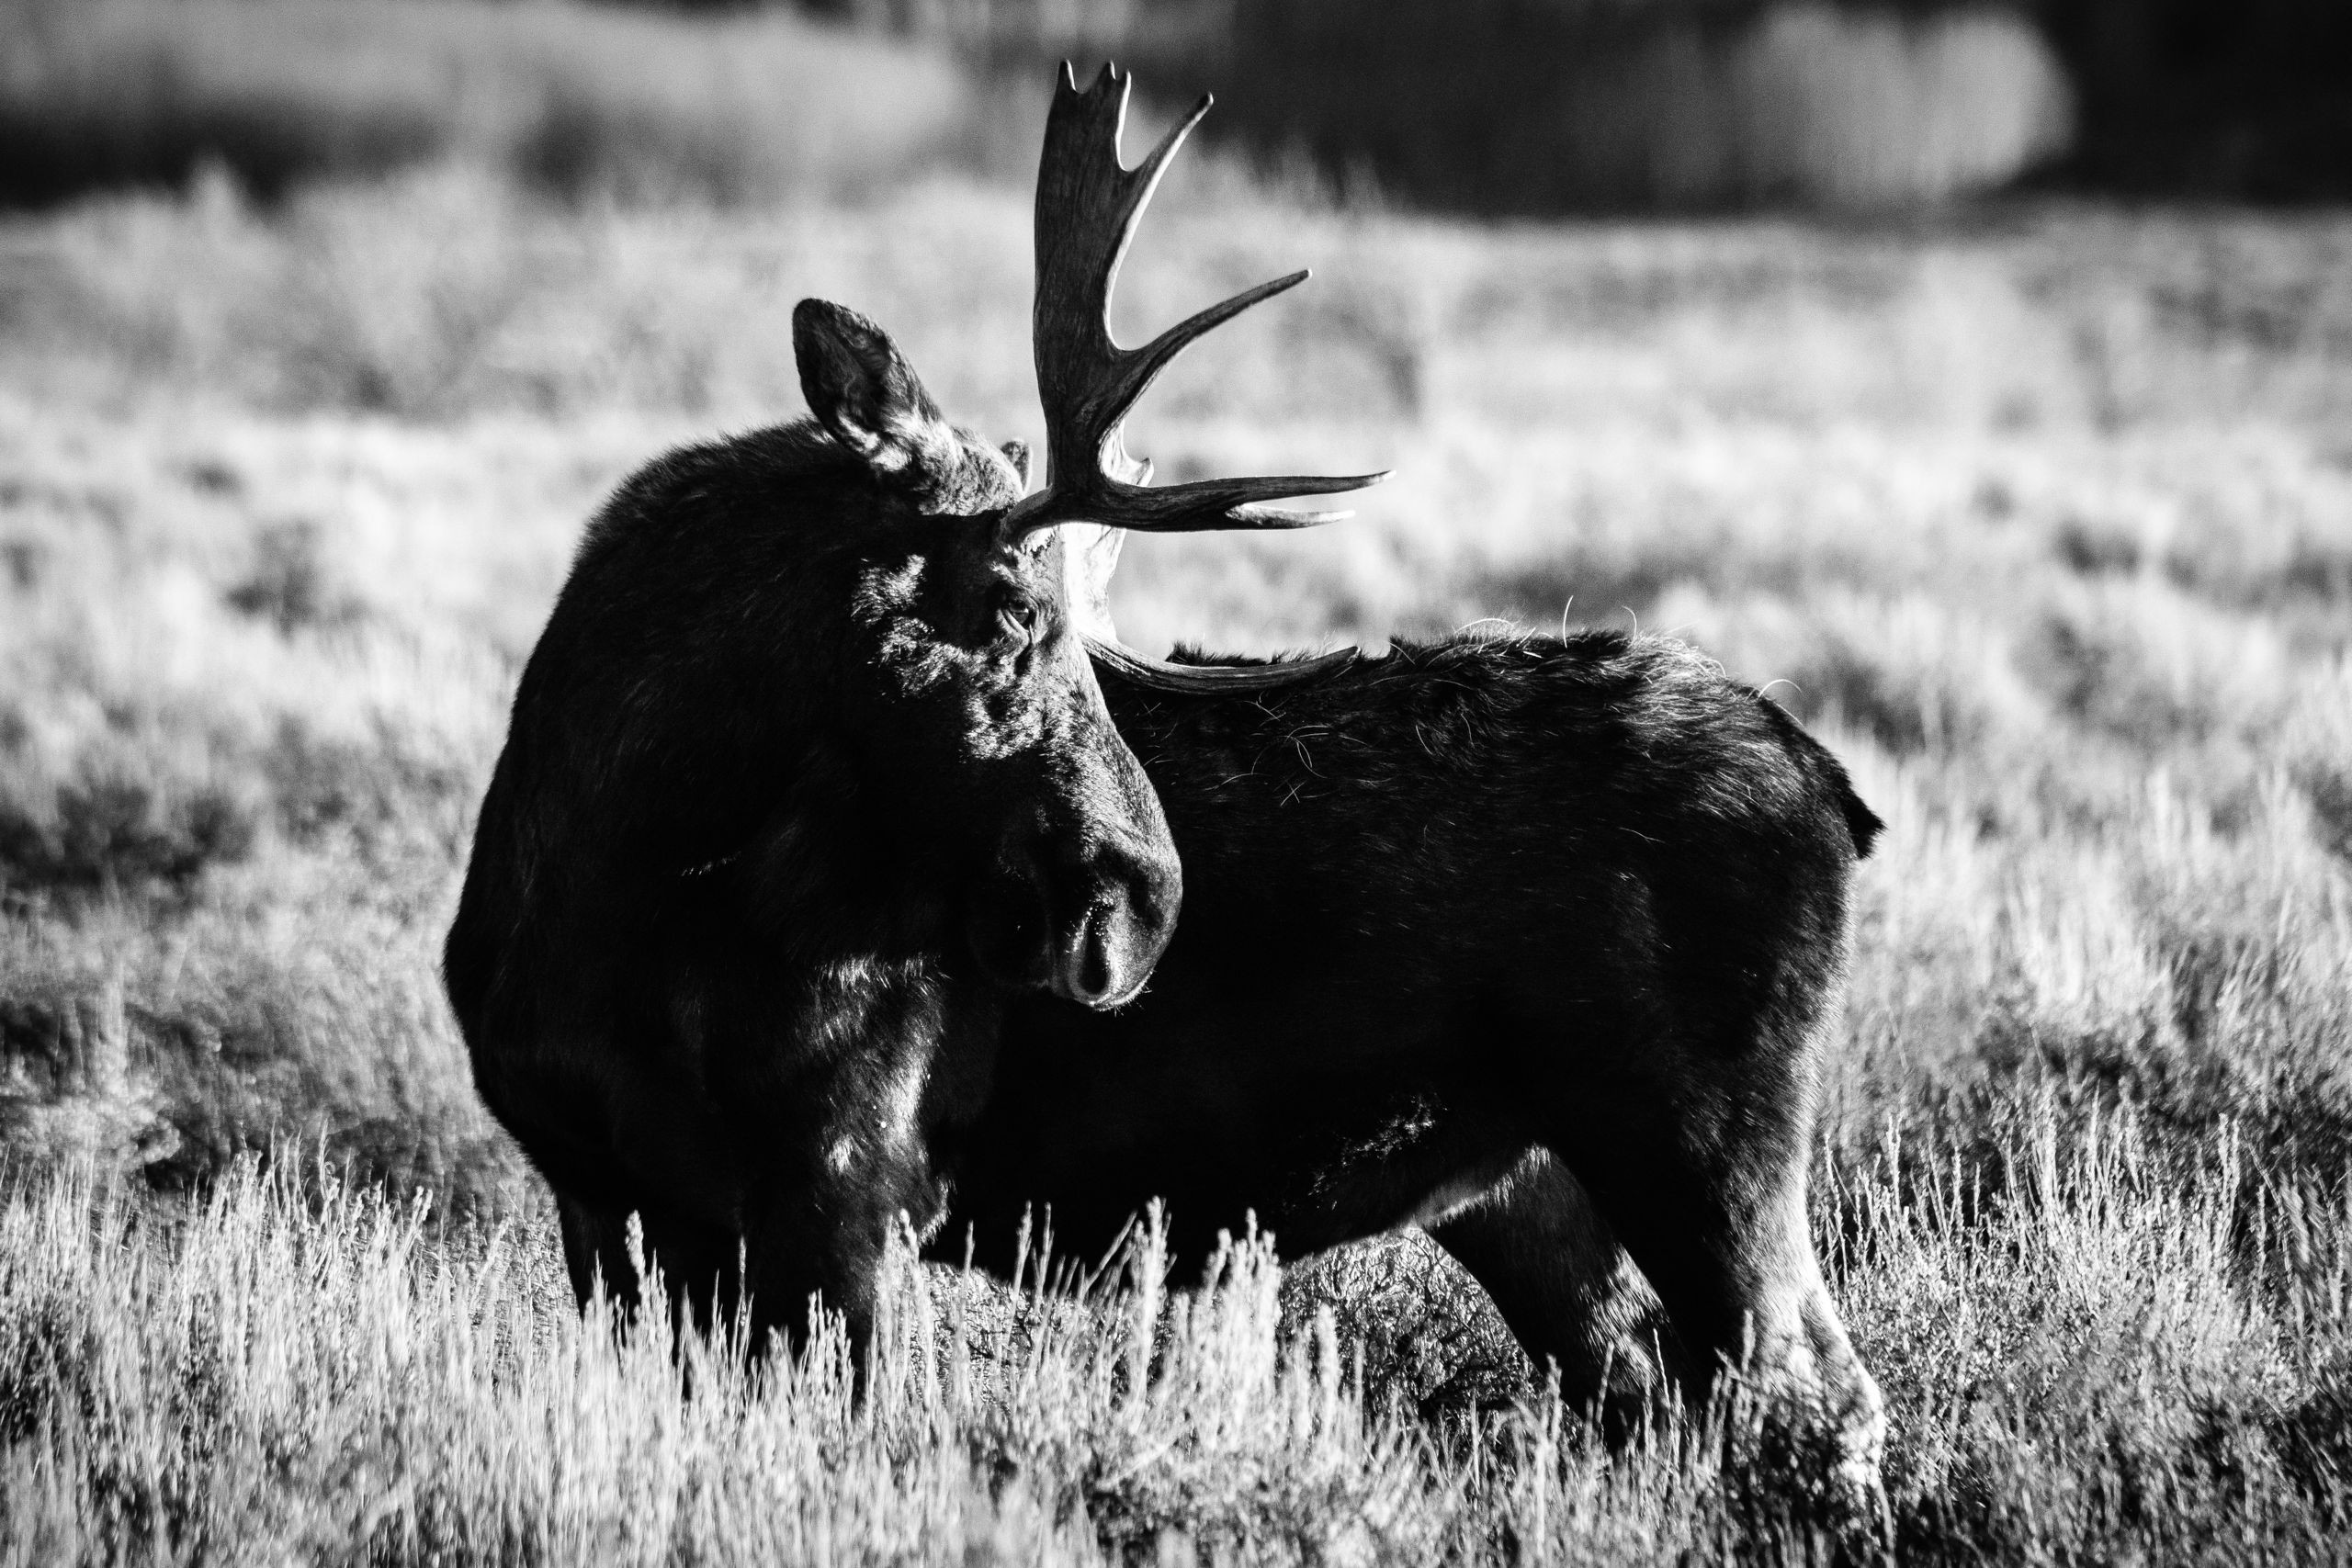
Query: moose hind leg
[1572,1295]
[1708,1196]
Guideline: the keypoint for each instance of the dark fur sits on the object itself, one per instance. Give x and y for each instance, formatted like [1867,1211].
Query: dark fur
[1557,926]
[791,796]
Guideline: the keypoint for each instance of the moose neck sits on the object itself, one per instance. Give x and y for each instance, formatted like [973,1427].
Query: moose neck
[821,943]
[833,889]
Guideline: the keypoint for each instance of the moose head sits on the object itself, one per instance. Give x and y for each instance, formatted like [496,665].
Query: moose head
[966,682]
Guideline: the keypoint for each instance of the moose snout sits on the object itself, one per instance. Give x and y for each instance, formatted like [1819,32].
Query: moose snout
[1086,922]
[1105,953]
[1085,925]
[1080,897]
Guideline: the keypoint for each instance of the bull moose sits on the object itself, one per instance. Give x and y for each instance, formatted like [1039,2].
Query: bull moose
[1537,941]
[808,772]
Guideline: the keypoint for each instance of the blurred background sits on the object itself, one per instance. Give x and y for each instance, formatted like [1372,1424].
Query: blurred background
[1488,107]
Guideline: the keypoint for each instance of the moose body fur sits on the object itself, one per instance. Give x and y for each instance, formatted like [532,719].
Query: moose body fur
[1535,941]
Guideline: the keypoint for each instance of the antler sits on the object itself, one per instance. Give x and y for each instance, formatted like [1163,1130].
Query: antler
[1088,206]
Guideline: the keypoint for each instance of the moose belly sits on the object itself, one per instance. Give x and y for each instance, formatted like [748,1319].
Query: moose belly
[1225,1118]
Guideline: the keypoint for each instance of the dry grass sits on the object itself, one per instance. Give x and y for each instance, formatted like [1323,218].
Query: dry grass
[2094,1356]
[2046,520]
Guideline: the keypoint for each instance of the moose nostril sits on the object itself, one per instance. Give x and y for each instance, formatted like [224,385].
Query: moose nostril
[1088,967]
[1095,976]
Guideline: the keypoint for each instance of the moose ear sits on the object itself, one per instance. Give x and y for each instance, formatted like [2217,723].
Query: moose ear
[864,392]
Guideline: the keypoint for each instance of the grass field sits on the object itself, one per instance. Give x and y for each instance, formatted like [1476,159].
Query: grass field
[2043,516]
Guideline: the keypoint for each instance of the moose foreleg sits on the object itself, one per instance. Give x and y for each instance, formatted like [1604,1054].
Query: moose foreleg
[824,1203]
[695,1263]
[596,1253]
[827,1244]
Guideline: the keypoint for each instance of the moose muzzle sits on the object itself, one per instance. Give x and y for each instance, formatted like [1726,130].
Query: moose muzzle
[1083,916]
[1102,958]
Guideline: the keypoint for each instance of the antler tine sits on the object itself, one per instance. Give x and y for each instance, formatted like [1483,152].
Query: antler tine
[1088,207]
[1233,504]
[1141,366]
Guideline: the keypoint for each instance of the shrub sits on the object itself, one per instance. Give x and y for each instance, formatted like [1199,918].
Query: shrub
[289,585]
[109,831]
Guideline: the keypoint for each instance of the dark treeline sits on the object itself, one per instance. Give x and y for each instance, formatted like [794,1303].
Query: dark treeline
[1568,105]
[2233,99]
[1495,106]
[1563,106]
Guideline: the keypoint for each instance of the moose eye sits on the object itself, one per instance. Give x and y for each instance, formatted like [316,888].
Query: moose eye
[1019,619]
